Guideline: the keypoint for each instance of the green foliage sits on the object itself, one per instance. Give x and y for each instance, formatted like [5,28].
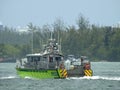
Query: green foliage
[11,50]
[98,43]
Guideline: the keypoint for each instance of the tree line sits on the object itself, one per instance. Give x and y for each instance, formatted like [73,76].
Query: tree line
[96,42]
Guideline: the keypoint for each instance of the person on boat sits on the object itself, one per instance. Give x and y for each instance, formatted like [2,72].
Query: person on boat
[81,61]
[62,65]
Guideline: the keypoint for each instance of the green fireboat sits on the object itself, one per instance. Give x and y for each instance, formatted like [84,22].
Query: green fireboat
[50,63]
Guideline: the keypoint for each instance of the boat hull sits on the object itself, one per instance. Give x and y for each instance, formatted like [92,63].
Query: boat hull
[53,73]
[76,72]
[40,74]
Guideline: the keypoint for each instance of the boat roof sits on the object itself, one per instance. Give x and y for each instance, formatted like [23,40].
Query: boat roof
[58,54]
[35,54]
[45,54]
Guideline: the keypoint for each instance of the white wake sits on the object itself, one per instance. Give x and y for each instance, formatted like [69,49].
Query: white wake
[97,78]
[8,77]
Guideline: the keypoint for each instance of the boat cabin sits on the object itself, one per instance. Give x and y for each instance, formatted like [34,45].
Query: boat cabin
[43,61]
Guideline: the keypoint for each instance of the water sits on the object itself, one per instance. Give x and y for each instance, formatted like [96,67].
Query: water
[106,77]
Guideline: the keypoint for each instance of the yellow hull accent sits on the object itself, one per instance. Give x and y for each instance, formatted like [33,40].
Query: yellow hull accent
[63,73]
[88,72]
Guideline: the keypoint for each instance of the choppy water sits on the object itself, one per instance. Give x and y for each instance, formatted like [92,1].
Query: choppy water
[106,77]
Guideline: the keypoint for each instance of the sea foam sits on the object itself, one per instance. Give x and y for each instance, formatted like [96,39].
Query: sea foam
[8,77]
[97,78]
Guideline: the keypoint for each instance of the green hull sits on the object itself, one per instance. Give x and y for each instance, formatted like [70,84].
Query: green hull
[40,74]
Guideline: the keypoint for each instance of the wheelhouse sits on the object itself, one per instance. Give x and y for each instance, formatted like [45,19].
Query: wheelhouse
[43,61]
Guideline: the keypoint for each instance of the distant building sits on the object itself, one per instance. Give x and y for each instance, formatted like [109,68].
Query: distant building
[1,26]
[22,30]
[117,25]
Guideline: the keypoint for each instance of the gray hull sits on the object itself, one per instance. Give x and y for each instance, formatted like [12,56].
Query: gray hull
[78,71]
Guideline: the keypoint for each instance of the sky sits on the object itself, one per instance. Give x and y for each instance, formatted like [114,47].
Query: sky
[15,13]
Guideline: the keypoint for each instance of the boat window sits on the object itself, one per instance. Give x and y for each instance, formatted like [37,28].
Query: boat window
[50,59]
[36,58]
[30,59]
[44,58]
[58,58]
